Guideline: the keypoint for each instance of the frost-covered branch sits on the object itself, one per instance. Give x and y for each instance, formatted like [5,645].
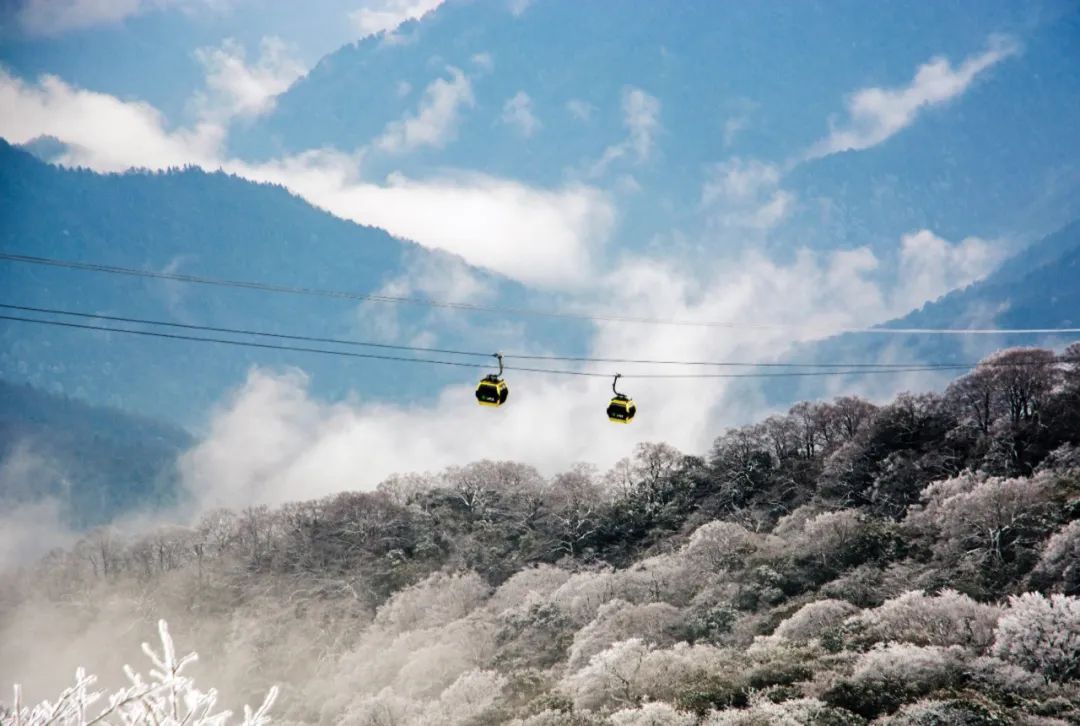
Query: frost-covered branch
[168,698]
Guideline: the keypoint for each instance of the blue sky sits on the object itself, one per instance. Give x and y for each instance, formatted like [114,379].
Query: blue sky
[808,166]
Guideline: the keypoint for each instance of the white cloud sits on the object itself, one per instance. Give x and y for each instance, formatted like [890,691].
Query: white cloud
[483,61]
[101,131]
[745,194]
[518,112]
[581,110]
[930,266]
[517,7]
[273,442]
[875,114]
[52,17]
[55,17]
[235,88]
[537,236]
[732,127]
[546,237]
[435,121]
[641,116]
[30,525]
[435,277]
[379,16]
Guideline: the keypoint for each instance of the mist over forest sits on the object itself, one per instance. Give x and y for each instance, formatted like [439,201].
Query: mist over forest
[914,562]
[772,309]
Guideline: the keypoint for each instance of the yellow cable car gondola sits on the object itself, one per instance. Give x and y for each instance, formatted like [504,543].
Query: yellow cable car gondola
[622,408]
[492,390]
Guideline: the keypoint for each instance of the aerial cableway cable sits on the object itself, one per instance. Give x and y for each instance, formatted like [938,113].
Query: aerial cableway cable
[496,310]
[950,365]
[462,364]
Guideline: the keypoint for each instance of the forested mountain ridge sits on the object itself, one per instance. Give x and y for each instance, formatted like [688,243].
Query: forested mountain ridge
[845,563]
[214,225]
[96,463]
[1035,288]
[797,63]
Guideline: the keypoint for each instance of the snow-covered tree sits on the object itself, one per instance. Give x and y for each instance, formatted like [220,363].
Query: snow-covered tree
[438,600]
[527,585]
[1041,634]
[948,618]
[983,518]
[796,712]
[620,620]
[629,672]
[815,619]
[831,537]
[1060,560]
[719,545]
[949,711]
[166,698]
[581,596]
[655,713]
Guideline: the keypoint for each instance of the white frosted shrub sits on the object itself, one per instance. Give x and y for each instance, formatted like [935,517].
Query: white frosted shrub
[384,709]
[581,596]
[528,584]
[626,673]
[718,546]
[815,619]
[912,667]
[620,620]
[436,657]
[791,525]
[990,674]
[1041,634]
[656,713]
[437,600]
[470,696]
[1061,557]
[417,663]
[554,717]
[466,699]
[930,712]
[762,712]
[670,578]
[949,618]
[828,537]
[165,698]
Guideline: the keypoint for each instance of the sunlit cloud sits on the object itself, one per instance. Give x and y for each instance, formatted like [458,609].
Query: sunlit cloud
[542,237]
[745,194]
[641,116]
[379,16]
[101,131]
[518,113]
[435,121]
[237,88]
[876,114]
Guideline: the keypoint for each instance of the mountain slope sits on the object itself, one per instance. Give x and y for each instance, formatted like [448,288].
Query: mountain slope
[1036,288]
[213,225]
[754,81]
[97,462]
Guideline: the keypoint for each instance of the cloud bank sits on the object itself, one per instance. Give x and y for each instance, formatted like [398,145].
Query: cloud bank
[548,237]
[273,442]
